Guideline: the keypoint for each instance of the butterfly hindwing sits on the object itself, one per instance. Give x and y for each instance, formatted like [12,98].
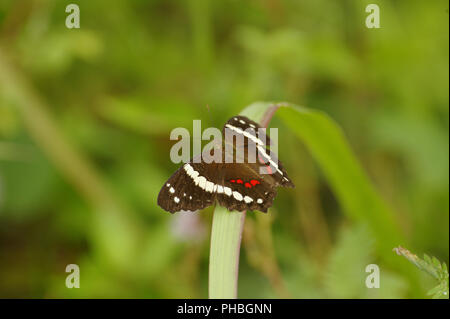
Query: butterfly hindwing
[181,192]
[245,189]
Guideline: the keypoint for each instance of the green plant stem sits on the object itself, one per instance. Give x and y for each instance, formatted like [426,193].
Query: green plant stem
[70,162]
[226,236]
[73,166]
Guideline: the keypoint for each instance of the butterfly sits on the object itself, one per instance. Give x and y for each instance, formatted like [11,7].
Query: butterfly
[245,183]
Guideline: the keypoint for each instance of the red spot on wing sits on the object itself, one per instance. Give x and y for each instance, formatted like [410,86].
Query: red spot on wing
[254,182]
[269,168]
[248,185]
[240,181]
[232,181]
[261,159]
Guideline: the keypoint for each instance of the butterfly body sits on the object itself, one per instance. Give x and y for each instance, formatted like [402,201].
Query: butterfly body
[237,185]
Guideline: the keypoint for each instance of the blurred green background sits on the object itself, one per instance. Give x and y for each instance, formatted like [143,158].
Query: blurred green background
[85,118]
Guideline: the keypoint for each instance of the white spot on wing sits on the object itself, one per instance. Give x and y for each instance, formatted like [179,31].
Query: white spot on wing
[172,190]
[246,134]
[237,196]
[195,174]
[248,199]
[227,191]
[176,199]
[259,201]
[209,187]
[263,152]
[201,182]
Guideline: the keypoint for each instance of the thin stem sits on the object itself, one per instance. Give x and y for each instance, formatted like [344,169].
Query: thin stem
[71,163]
[226,237]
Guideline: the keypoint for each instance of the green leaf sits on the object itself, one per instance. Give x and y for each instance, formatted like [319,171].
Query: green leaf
[351,185]
[328,145]
[224,257]
[433,267]
[349,182]
[226,236]
[345,272]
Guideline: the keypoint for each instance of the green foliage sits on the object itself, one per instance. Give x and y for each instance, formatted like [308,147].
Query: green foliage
[224,256]
[345,275]
[328,145]
[85,118]
[345,272]
[433,267]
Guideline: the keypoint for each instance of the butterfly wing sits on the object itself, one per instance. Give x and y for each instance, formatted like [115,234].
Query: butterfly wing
[255,139]
[236,186]
[246,185]
[242,188]
[251,130]
[187,188]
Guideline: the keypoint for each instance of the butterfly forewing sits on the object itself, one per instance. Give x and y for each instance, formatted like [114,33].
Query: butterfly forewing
[255,141]
[251,131]
[270,165]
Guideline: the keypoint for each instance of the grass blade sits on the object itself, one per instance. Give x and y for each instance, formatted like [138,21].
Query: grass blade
[352,187]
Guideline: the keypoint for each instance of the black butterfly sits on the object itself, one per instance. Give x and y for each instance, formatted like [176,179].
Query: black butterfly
[238,185]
